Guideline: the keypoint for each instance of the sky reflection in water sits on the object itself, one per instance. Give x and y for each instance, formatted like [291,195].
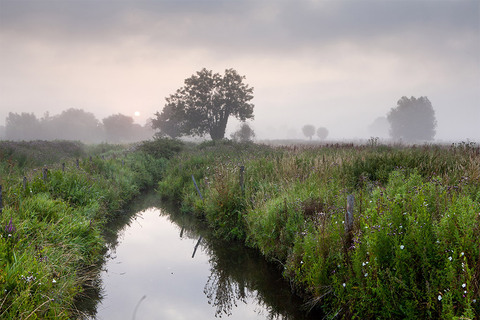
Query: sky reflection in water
[152,271]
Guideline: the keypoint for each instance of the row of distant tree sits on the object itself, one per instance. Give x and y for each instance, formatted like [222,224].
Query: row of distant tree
[74,124]
[310,130]
[207,100]
[412,120]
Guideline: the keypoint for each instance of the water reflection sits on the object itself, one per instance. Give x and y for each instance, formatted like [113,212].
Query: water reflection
[163,264]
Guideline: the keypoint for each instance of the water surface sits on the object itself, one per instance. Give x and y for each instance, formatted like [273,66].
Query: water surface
[163,264]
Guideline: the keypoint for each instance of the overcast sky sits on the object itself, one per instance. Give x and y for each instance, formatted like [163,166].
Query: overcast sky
[337,64]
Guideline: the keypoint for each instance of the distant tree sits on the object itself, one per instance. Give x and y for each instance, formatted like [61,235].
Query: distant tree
[76,124]
[24,126]
[119,127]
[204,104]
[244,134]
[308,130]
[412,119]
[322,133]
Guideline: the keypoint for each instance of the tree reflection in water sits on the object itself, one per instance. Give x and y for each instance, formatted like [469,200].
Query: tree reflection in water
[238,275]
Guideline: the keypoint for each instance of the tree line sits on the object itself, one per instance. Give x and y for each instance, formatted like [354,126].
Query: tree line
[74,124]
[202,107]
[206,101]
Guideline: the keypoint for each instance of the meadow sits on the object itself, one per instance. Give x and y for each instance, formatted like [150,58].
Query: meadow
[52,221]
[413,251]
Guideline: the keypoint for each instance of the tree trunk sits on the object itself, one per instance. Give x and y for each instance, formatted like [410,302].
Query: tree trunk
[217,131]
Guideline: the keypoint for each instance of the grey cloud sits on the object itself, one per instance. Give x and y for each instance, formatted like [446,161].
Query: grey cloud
[239,25]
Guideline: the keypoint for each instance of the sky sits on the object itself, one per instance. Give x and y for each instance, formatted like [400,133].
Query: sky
[336,64]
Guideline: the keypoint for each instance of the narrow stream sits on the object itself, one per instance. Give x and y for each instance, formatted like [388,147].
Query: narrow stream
[162,264]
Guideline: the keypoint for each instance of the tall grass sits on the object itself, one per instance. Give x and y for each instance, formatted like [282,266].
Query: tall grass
[414,249]
[50,230]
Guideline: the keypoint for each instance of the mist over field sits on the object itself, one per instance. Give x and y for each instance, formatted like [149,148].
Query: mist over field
[337,65]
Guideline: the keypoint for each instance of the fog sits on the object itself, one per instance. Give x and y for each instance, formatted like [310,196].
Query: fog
[341,65]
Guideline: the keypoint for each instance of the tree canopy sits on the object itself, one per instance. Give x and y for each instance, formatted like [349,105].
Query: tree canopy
[118,127]
[74,124]
[244,134]
[204,104]
[308,130]
[322,133]
[412,119]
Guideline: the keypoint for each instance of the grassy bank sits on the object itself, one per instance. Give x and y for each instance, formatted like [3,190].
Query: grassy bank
[51,226]
[413,251]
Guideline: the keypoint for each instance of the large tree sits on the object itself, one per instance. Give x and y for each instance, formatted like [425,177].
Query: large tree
[204,104]
[412,120]
[74,124]
[118,127]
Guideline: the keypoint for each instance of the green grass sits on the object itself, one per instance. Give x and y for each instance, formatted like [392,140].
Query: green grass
[50,230]
[413,252]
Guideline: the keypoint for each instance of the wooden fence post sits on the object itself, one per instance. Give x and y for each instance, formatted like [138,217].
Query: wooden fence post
[242,185]
[63,166]
[45,172]
[196,246]
[196,187]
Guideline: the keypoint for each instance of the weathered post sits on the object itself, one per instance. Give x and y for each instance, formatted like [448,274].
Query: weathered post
[63,166]
[196,246]
[1,203]
[242,185]
[24,183]
[78,164]
[45,172]
[196,187]
[349,220]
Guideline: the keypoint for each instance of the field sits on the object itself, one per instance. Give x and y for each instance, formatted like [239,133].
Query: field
[413,251]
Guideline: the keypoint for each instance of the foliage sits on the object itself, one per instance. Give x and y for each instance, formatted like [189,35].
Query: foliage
[51,227]
[162,147]
[413,119]
[322,133]
[204,105]
[244,134]
[118,127]
[75,125]
[308,131]
[413,252]
[37,153]
[22,126]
